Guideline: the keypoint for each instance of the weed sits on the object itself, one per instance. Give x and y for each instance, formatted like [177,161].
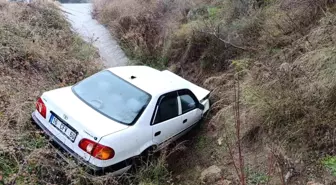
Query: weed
[330,163]
[255,178]
[8,165]
[33,141]
[213,12]
[155,172]
[202,142]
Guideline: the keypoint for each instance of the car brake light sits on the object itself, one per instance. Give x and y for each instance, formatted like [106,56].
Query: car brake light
[96,150]
[41,108]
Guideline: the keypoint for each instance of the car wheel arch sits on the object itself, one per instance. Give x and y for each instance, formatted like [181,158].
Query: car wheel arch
[148,147]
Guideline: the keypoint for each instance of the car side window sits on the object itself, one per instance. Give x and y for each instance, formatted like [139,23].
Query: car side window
[187,103]
[188,100]
[167,109]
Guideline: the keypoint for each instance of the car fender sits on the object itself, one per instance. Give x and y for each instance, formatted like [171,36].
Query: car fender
[206,104]
[146,146]
[124,143]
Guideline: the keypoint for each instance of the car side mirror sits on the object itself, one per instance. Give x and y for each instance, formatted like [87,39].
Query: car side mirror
[201,106]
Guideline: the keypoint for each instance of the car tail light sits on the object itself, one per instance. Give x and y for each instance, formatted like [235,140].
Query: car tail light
[96,150]
[41,108]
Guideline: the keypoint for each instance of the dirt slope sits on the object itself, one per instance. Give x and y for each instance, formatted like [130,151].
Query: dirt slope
[282,53]
[38,52]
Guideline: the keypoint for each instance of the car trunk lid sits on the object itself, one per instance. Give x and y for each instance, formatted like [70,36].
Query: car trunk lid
[87,121]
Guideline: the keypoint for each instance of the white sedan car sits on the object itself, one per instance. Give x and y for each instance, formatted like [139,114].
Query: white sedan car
[117,114]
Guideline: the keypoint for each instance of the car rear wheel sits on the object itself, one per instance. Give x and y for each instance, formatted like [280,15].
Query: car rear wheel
[144,159]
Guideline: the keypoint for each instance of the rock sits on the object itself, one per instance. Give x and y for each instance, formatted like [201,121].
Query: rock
[224,182]
[314,183]
[220,141]
[285,67]
[289,175]
[174,68]
[211,174]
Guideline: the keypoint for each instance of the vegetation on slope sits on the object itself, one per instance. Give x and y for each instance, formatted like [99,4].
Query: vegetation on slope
[38,52]
[283,54]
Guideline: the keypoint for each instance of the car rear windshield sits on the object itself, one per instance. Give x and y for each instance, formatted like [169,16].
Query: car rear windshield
[113,97]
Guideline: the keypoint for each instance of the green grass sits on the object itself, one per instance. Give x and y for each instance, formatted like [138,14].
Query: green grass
[33,141]
[8,166]
[213,12]
[330,163]
[256,177]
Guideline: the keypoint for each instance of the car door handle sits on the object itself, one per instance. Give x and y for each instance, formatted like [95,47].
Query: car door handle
[185,121]
[157,133]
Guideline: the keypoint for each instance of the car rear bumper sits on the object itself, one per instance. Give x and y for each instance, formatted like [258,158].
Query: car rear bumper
[61,145]
[117,169]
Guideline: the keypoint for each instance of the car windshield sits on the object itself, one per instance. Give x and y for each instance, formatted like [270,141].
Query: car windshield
[113,97]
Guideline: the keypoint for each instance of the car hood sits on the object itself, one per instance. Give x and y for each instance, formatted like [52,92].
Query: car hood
[79,115]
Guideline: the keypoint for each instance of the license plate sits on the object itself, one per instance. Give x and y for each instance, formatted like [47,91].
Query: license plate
[63,128]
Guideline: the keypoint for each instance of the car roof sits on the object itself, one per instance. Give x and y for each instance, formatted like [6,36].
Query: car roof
[148,79]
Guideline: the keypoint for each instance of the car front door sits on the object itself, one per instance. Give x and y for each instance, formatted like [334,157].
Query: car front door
[190,112]
[166,121]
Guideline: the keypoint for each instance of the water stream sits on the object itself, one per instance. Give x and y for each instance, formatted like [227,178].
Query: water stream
[79,15]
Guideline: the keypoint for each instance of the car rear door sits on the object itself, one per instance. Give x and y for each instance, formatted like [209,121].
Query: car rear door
[190,113]
[166,122]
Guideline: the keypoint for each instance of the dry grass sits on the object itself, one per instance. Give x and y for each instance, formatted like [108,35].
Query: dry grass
[144,27]
[38,52]
[295,94]
[285,51]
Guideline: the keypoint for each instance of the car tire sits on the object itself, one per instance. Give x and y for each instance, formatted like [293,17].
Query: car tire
[144,158]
